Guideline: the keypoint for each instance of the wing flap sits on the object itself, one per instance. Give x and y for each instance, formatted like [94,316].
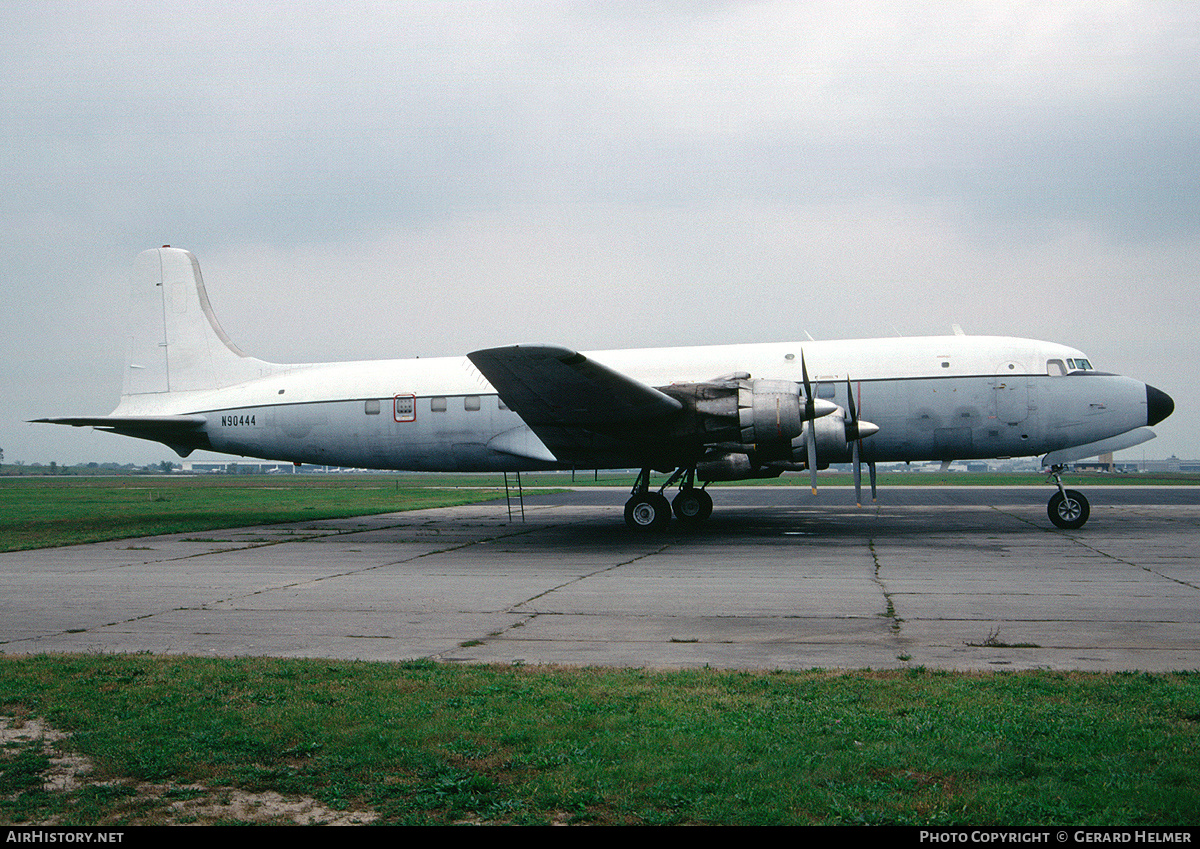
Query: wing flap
[522,442]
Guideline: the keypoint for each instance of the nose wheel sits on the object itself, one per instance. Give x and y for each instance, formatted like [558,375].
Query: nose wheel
[1068,509]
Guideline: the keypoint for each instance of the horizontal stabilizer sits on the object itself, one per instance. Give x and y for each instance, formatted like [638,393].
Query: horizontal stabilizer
[183,434]
[1094,449]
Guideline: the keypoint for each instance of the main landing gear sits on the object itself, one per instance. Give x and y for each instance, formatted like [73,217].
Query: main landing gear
[650,511]
[1068,509]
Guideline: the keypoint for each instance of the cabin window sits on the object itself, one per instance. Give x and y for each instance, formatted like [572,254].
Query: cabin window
[471,403]
[500,403]
[371,407]
[404,408]
[437,404]
[1056,368]
[825,390]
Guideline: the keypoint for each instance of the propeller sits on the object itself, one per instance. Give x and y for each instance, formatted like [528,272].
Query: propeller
[855,442]
[810,416]
[855,432]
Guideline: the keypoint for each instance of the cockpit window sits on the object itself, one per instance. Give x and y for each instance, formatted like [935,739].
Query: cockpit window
[1079,363]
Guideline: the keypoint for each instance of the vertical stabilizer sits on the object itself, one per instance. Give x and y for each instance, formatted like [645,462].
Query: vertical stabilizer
[176,343]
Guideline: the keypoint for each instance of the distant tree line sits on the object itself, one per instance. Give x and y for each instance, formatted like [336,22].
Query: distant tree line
[53,468]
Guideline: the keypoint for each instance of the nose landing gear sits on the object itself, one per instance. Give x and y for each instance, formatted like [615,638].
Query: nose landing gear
[1068,509]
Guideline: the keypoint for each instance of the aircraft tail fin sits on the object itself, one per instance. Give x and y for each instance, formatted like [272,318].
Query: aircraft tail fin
[176,343]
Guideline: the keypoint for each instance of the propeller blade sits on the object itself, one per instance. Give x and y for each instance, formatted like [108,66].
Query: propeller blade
[855,442]
[857,473]
[814,407]
[810,413]
[862,429]
[812,454]
[809,407]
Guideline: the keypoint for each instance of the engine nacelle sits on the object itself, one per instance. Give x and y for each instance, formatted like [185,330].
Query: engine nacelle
[770,412]
[834,437]
[832,445]
[760,428]
[743,411]
[734,467]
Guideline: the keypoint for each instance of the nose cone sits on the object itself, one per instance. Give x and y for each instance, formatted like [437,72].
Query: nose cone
[1158,405]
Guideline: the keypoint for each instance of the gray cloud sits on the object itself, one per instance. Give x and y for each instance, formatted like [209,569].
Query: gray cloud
[608,174]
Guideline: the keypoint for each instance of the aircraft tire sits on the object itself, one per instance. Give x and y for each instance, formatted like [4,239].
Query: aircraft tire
[692,506]
[648,512]
[1068,513]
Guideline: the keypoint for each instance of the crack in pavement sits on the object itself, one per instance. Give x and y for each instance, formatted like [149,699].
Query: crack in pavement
[208,605]
[532,615]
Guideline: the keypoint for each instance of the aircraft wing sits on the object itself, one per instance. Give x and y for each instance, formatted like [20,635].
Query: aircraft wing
[579,408]
[549,385]
[182,434]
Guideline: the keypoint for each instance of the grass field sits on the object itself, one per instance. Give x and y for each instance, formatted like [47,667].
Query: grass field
[39,512]
[421,742]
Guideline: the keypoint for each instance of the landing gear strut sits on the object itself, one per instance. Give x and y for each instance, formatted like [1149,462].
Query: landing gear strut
[650,511]
[1068,509]
[692,505]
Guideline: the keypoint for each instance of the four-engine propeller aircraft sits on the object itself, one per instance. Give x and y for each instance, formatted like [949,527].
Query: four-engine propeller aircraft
[703,414]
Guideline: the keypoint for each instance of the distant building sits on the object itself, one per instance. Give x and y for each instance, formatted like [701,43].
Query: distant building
[237,467]
[1171,464]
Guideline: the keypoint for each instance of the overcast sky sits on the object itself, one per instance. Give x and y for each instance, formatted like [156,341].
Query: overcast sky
[376,180]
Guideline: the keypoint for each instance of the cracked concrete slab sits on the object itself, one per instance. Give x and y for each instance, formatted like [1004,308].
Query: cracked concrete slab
[956,578]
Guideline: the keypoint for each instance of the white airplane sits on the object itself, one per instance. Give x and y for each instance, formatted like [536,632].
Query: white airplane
[703,414]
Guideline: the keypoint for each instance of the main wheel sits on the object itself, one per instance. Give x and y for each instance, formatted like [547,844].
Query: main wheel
[648,512]
[692,505]
[1068,513]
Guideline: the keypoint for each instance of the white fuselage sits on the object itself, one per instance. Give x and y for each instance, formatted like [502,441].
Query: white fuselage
[933,398]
